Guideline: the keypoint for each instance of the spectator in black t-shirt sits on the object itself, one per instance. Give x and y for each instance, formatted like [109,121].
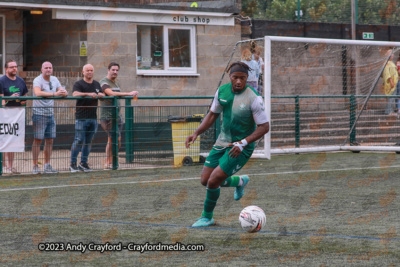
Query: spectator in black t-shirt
[86,118]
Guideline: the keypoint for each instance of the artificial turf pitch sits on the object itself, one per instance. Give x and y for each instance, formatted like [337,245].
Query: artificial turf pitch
[326,209]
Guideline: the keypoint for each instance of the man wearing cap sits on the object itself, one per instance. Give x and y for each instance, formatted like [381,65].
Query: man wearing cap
[244,122]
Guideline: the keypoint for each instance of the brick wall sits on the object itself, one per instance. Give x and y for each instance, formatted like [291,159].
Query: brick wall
[66,79]
[56,41]
[215,46]
[116,41]
[113,41]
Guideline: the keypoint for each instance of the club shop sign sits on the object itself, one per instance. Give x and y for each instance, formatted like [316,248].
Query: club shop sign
[191,19]
[145,16]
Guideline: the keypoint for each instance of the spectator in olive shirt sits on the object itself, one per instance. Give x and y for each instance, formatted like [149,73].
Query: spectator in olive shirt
[110,87]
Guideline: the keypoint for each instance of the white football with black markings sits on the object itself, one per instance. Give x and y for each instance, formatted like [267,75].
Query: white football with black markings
[252,219]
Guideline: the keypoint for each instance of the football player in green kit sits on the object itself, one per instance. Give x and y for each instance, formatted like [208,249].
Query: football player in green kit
[244,121]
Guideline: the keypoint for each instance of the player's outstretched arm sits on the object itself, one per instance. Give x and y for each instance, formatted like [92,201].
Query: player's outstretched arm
[208,121]
[260,131]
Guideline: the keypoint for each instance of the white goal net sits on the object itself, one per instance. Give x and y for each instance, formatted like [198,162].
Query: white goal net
[328,94]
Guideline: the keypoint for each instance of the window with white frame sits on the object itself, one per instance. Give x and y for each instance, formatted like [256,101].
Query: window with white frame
[166,49]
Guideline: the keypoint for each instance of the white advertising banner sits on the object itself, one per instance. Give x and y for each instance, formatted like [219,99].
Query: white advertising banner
[12,129]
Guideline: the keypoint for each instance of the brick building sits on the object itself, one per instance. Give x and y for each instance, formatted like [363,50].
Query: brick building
[164,47]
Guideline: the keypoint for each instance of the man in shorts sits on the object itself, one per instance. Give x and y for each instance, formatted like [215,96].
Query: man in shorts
[44,125]
[244,122]
[110,87]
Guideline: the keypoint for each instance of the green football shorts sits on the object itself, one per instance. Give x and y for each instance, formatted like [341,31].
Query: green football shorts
[219,156]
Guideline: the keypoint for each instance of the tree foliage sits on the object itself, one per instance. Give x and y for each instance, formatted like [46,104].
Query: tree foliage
[336,11]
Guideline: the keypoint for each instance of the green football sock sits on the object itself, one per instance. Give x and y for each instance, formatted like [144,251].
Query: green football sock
[232,181]
[210,202]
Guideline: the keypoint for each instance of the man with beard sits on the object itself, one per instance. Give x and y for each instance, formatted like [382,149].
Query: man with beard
[110,87]
[12,85]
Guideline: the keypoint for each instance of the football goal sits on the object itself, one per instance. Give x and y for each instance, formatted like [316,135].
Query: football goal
[325,94]
[339,100]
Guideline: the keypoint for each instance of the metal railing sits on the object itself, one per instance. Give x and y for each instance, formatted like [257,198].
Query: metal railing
[321,120]
[146,140]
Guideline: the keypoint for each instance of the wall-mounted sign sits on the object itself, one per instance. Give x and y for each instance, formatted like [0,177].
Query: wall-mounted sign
[368,35]
[147,16]
[83,48]
[191,19]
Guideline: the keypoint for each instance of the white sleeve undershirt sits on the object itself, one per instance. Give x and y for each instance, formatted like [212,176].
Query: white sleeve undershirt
[258,110]
[216,106]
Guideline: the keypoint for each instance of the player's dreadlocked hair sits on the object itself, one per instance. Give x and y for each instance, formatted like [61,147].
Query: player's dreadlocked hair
[239,66]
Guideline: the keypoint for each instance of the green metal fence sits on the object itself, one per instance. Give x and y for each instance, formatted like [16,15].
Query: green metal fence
[146,137]
[147,141]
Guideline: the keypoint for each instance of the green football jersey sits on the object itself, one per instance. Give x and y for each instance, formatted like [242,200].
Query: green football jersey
[241,113]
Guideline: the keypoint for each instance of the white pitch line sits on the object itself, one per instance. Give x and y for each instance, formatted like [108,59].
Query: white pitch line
[80,185]
[305,171]
[185,179]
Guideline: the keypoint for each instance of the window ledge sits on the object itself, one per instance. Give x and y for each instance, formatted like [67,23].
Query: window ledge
[170,74]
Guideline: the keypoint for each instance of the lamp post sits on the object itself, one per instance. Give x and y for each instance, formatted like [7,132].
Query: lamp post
[354,18]
[298,10]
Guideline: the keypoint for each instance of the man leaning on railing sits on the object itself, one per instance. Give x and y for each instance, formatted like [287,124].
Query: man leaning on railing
[44,125]
[11,85]
[110,87]
[86,118]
